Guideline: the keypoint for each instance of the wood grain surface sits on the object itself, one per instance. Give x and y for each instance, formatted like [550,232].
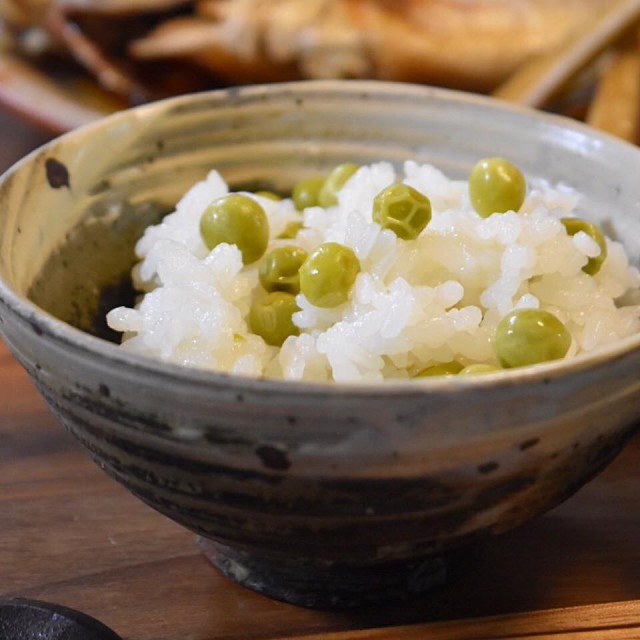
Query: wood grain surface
[590,622]
[71,535]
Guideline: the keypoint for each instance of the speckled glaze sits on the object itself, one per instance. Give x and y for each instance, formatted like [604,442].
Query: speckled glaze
[318,494]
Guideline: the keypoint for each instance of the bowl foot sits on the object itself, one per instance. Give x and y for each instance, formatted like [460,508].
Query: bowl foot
[331,585]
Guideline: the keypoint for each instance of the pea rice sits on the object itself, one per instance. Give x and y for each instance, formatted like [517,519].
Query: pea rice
[415,303]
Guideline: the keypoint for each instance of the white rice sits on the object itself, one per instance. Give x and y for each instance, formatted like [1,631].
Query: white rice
[415,303]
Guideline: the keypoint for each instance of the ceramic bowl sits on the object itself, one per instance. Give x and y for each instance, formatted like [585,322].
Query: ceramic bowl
[319,494]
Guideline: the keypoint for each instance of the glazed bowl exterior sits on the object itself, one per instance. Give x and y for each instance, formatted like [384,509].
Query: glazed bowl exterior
[321,494]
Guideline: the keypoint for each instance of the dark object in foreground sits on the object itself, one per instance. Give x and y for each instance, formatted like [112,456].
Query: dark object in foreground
[23,619]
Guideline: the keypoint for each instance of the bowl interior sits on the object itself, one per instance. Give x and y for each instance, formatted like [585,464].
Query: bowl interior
[71,212]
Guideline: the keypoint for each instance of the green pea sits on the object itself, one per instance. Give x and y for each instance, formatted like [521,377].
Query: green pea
[306,192]
[403,210]
[444,369]
[279,270]
[269,195]
[328,196]
[290,231]
[478,369]
[236,219]
[496,186]
[573,225]
[530,336]
[328,274]
[270,317]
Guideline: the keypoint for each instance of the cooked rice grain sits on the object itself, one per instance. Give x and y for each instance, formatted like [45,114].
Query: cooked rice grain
[415,303]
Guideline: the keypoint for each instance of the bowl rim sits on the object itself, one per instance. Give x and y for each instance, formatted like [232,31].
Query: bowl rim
[65,335]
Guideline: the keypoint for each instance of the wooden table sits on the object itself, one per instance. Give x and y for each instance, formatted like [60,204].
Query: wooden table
[71,535]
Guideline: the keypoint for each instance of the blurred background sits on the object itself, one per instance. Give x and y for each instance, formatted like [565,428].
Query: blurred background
[67,62]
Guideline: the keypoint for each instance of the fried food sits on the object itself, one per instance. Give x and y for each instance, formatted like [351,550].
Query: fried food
[470,44]
[616,104]
[467,44]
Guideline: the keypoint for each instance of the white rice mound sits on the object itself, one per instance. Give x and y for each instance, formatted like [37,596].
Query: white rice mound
[415,303]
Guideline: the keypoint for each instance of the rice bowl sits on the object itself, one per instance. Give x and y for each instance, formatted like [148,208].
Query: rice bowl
[318,493]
